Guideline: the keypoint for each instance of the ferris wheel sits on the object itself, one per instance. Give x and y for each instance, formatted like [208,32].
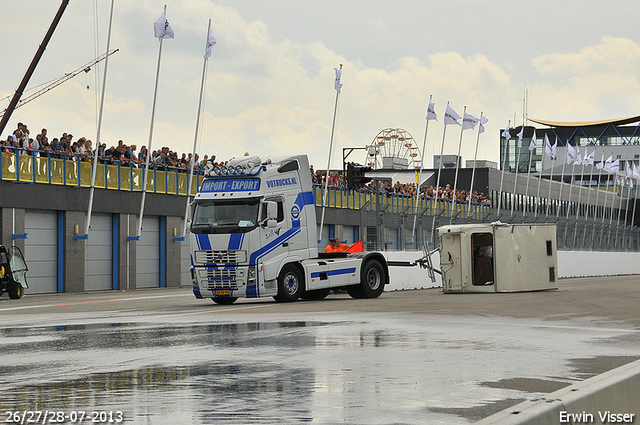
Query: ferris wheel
[393,148]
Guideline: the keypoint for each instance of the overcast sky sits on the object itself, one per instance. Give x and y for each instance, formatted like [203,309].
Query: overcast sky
[270,77]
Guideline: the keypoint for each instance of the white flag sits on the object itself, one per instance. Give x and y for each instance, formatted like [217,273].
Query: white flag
[600,165]
[627,170]
[162,28]
[337,84]
[451,116]
[431,112]
[547,146]
[483,121]
[578,160]
[534,143]
[211,41]
[555,147]
[520,134]
[571,153]
[469,121]
[507,133]
[607,165]
[636,173]
[590,158]
[615,166]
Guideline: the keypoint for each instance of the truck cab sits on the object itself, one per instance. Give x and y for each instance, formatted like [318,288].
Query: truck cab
[254,234]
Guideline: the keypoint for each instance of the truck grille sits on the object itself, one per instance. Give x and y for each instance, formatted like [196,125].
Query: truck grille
[222,279]
[222,274]
[220,257]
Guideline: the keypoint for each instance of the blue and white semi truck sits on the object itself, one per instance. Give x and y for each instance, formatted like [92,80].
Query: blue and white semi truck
[254,234]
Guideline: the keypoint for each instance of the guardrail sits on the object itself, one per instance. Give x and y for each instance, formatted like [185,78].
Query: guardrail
[76,171]
[399,204]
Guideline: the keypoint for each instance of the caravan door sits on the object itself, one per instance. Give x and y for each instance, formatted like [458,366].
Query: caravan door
[451,262]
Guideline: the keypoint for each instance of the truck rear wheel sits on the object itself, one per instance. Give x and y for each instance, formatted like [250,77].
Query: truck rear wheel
[224,300]
[290,284]
[15,291]
[316,294]
[372,279]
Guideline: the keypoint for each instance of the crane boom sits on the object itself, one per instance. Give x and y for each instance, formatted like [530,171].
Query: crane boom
[84,68]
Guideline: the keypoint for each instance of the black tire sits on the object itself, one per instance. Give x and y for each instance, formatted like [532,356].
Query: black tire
[15,291]
[372,279]
[224,300]
[316,294]
[355,291]
[290,284]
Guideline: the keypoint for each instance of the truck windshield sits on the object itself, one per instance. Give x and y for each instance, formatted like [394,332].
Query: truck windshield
[233,216]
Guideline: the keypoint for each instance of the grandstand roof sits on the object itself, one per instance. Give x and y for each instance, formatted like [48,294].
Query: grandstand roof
[617,121]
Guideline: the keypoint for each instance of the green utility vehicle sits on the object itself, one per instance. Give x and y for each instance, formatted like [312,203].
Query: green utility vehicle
[13,272]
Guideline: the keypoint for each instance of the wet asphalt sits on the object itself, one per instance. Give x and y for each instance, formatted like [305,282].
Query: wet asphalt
[411,357]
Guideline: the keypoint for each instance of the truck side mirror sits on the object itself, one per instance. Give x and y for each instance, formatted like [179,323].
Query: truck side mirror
[272,210]
[271,213]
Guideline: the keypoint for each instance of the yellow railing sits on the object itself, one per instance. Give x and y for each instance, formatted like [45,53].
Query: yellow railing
[399,204]
[71,172]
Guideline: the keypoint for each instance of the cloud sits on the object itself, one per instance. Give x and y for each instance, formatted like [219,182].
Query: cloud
[597,82]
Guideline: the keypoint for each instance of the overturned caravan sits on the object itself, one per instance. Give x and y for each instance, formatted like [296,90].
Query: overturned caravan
[497,257]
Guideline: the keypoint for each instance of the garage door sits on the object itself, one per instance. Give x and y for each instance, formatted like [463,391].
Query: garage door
[148,254]
[98,258]
[41,251]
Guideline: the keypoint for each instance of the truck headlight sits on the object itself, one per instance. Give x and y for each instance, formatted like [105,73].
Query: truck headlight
[251,275]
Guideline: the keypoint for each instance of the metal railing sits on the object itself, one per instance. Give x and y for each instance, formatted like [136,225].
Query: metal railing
[396,203]
[76,170]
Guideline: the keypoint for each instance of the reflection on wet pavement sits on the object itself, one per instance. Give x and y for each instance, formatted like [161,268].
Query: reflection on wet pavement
[291,372]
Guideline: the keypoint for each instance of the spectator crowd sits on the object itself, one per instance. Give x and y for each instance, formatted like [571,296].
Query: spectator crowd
[21,141]
[82,149]
[336,180]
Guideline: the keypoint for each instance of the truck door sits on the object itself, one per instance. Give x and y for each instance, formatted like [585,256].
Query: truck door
[273,241]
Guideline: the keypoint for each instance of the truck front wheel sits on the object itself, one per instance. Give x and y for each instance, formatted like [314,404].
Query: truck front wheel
[372,279]
[290,284]
[224,300]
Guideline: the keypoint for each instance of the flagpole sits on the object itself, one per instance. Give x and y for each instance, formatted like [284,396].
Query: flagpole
[546,210]
[564,163]
[95,155]
[195,137]
[504,165]
[575,234]
[584,234]
[149,150]
[619,214]
[424,146]
[604,208]
[635,194]
[433,225]
[455,180]
[538,194]
[595,215]
[526,192]
[515,184]
[326,179]
[475,158]
[613,201]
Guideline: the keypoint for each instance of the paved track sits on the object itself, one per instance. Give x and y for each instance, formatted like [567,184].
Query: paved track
[451,358]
